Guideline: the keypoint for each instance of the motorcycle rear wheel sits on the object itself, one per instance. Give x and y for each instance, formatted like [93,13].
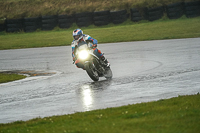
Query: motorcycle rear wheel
[108,74]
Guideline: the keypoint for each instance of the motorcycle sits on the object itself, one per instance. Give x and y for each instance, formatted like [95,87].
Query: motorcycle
[93,65]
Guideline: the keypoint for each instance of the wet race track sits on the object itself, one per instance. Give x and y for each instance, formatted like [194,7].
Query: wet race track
[142,71]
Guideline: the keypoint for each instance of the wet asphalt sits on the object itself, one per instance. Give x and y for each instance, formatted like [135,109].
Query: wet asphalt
[142,71]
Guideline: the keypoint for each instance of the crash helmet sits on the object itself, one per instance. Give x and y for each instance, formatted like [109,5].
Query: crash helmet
[77,34]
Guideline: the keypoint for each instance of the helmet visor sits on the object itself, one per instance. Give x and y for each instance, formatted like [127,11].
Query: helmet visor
[76,37]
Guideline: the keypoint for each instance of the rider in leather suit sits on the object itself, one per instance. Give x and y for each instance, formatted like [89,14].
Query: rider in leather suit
[79,37]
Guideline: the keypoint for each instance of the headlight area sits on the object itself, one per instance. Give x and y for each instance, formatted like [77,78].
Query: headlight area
[83,54]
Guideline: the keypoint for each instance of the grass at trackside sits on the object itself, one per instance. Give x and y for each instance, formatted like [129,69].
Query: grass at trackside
[175,115]
[128,31]
[10,77]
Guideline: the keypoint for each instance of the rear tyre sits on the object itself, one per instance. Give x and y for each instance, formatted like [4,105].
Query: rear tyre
[108,74]
[91,72]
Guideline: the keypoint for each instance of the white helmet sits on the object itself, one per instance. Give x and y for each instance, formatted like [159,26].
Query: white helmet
[77,34]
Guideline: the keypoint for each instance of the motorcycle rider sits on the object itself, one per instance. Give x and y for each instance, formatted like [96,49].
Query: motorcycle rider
[78,38]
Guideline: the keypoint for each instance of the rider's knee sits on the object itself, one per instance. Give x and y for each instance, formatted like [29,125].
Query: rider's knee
[98,52]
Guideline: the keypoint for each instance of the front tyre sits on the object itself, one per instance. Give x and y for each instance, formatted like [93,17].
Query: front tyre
[90,69]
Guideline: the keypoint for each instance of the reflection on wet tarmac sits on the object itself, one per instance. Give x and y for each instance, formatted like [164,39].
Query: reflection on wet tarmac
[87,96]
[88,92]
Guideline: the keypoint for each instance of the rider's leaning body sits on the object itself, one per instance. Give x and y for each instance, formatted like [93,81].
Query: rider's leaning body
[79,37]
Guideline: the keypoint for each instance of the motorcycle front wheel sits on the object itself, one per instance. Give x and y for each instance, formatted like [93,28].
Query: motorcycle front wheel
[90,69]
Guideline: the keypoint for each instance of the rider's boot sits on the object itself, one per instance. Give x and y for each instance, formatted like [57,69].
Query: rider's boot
[105,61]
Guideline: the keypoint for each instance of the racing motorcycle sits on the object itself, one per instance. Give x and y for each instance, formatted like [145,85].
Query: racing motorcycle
[93,65]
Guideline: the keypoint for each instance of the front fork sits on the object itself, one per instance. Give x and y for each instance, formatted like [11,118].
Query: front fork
[96,65]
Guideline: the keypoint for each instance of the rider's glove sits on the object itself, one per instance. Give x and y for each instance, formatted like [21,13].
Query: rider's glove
[94,45]
[74,59]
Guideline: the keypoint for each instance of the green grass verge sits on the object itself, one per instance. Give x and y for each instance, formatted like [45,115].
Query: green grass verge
[4,77]
[175,115]
[128,31]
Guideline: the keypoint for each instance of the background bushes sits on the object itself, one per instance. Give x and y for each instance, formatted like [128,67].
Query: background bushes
[65,21]
[175,10]
[2,27]
[99,18]
[137,15]
[154,13]
[84,19]
[32,24]
[192,9]
[118,17]
[102,18]
[14,25]
[49,22]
